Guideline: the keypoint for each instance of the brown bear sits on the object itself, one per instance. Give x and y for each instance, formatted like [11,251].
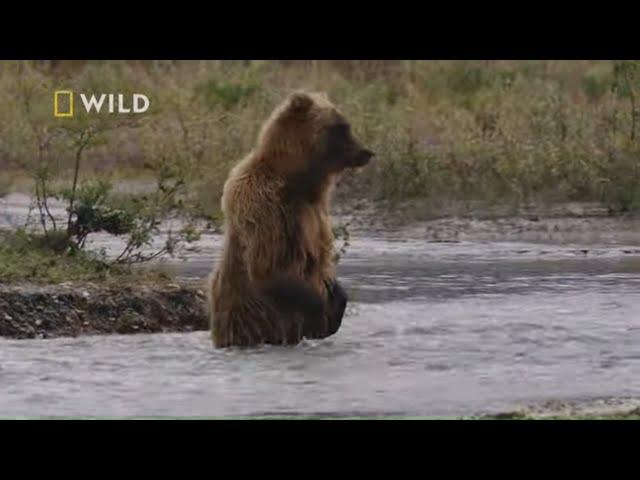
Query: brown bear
[276,281]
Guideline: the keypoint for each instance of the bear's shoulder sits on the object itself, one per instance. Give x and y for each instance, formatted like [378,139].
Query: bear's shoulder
[251,193]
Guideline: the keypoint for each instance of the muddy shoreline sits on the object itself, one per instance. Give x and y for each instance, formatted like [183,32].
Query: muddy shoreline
[577,222]
[566,223]
[70,310]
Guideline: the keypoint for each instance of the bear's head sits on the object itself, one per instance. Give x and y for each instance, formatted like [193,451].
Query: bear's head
[307,132]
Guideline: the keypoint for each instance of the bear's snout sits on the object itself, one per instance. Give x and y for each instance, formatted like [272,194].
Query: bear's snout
[363,157]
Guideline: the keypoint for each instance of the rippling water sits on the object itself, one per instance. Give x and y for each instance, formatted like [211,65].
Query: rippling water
[432,329]
[429,332]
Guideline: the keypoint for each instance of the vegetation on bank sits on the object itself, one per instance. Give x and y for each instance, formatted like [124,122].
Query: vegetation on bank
[36,258]
[470,132]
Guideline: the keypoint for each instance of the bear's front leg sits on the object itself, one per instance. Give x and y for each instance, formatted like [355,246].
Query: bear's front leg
[291,296]
[296,307]
[336,303]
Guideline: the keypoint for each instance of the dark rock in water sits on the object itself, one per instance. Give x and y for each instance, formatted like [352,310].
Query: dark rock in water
[30,311]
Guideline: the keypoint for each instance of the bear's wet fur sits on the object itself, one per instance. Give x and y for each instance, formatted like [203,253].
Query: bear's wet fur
[276,281]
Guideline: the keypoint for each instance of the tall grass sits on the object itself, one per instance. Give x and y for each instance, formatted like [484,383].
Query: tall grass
[472,132]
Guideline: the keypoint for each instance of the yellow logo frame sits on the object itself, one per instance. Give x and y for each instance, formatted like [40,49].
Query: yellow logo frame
[56,95]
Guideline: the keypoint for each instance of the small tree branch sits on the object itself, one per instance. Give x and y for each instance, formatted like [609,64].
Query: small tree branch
[85,137]
[46,204]
[39,204]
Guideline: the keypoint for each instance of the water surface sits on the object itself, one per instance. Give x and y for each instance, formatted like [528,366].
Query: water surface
[432,329]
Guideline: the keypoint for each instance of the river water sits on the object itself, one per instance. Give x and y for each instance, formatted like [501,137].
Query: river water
[435,329]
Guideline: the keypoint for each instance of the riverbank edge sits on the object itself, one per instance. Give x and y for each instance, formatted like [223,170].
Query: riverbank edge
[30,311]
[578,222]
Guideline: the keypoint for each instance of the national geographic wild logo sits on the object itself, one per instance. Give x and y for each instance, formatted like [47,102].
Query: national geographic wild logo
[116,103]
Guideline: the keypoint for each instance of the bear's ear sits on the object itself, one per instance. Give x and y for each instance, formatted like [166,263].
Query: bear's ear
[300,103]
